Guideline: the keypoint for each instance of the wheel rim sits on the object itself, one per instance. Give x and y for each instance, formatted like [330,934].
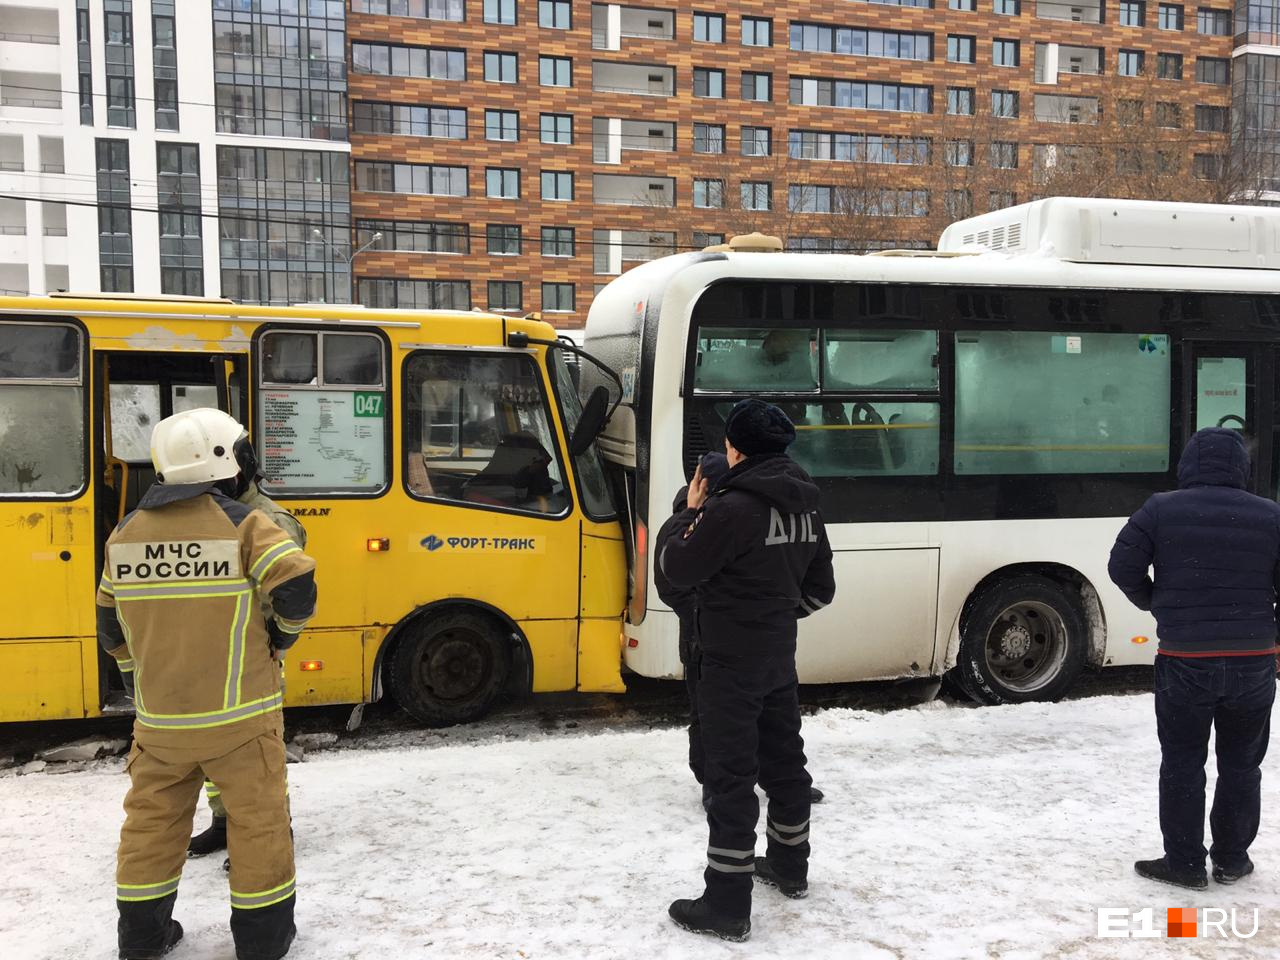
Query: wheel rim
[1026,646]
[455,665]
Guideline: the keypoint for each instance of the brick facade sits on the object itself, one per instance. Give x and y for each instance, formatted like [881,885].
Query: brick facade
[681,53]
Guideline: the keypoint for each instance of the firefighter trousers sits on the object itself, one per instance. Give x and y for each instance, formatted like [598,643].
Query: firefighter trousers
[159,809]
[750,719]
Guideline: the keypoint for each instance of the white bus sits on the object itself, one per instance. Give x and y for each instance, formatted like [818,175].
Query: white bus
[981,420]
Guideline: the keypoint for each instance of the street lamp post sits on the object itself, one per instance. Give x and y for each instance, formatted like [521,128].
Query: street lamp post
[348,259]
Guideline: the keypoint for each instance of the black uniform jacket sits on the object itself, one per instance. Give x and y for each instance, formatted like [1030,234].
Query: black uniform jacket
[756,555]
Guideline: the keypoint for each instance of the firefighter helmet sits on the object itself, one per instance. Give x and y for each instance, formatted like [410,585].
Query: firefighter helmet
[196,446]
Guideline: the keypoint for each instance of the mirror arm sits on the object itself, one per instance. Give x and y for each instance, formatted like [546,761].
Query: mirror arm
[522,340]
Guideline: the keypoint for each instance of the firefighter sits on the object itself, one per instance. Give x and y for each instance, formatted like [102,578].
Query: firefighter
[756,552]
[250,494]
[179,608]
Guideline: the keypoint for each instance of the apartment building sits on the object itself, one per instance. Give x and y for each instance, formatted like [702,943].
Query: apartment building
[183,147]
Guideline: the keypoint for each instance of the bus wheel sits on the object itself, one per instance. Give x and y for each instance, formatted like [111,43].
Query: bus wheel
[1024,639]
[449,668]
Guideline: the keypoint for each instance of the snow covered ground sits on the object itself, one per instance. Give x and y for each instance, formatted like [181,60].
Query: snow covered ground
[949,832]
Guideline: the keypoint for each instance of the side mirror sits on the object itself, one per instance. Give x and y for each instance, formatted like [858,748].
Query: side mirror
[591,422]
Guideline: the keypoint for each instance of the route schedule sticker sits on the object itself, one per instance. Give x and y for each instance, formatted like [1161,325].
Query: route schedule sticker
[323,439]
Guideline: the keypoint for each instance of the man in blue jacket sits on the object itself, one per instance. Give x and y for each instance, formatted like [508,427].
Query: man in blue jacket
[1216,552]
[756,552]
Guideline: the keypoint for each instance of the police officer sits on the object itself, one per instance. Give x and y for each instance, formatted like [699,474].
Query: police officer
[755,551]
[248,492]
[179,607]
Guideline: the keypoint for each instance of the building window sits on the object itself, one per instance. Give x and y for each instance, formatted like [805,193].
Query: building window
[1000,199]
[960,101]
[178,200]
[558,298]
[499,67]
[708,28]
[501,125]
[1007,8]
[500,11]
[556,128]
[502,183]
[708,138]
[960,153]
[960,49]
[703,239]
[557,185]
[555,15]
[404,294]
[387,60]
[757,86]
[1004,104]
[757,195]
[118,25]
[450,10]
[1211,119]
[1129,63]
[164,60]
[1168,114]
[502,239]
[505,295]
[1213,70]
[968,5]
[708,83]
[1133,13]
[861,95]
[409,120]
[860,42]
[1169,66]
[115,218]
[1004,53]
[1004,155]
[1129,113]
[757,32]
[1169,17]
[424,179]
[84,59]
[414,236]
[757,141]
[1207,166]
[858,147]
[1213,23]
[555,71]
[557,241]
[708,194]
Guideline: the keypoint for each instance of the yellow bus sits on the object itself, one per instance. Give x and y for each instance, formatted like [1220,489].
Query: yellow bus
[440,461]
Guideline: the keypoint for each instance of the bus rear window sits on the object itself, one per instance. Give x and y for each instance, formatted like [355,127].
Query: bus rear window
[41,410]
[322,413]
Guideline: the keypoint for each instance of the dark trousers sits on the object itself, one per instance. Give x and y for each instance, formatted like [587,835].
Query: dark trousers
[750,719]
[691,657]
[1232,695]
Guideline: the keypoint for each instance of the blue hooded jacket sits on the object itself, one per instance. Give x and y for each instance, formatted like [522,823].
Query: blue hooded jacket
[1216,552]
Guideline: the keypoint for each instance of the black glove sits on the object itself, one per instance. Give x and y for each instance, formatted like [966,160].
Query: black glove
[127,677]
[277,638]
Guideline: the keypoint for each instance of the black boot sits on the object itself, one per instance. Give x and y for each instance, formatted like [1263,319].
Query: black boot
[815,795]
[1162,871]
[213,839]
[1229,875]
[795,889]
[697,917]
[173,935]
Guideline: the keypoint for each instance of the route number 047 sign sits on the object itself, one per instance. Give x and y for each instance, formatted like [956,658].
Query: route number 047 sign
[323,439]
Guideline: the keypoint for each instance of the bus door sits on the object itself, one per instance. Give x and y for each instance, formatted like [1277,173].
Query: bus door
[1231,385]
[135,390]
[46,522]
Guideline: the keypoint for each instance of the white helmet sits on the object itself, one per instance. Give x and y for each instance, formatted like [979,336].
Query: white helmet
[196,446]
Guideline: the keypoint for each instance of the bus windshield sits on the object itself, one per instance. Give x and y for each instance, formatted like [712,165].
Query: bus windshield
[592,488]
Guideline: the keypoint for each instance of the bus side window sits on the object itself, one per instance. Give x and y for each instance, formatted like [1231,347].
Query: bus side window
[41,410]
[477,431]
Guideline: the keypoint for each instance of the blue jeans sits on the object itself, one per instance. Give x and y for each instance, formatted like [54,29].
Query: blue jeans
[1232,695]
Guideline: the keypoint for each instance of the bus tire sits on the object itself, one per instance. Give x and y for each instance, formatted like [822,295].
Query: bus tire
[450,667]
[1024,639]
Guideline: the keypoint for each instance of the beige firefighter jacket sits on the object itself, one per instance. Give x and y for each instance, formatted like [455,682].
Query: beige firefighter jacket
[180,604]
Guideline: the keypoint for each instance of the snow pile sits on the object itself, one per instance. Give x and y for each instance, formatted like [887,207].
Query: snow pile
[948,833]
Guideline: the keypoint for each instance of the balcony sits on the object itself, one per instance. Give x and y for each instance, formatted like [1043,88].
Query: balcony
[627,191]
[637,79]
[1081,11]
[1055,108]
[611,22]
[611,137]
[11,153]
[1055,59]
[13,278]
[52,159]
[13,218]
[22,92]
[615,248]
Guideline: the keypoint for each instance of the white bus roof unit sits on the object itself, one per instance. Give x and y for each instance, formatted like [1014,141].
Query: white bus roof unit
[1088,230]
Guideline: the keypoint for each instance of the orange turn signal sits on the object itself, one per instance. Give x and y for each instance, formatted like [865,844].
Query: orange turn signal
[1139,639]
[633,643]
[309,666]
[378,544]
